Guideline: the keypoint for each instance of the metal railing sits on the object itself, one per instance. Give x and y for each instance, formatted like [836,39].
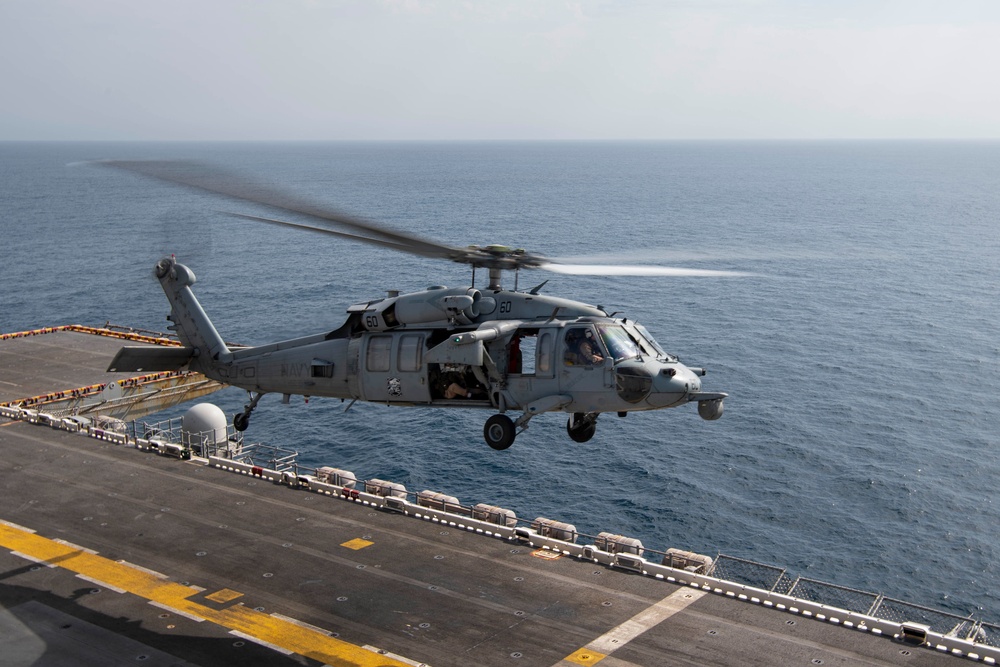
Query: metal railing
[757,575]
[201,443]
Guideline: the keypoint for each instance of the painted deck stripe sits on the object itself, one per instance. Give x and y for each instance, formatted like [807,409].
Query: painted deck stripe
[144,569]
[40,561]
[393,656]
[257,640]
[302,624]
[172,610]
[16,525]
[97,582]
[616,637]
[256,626]
[75,547]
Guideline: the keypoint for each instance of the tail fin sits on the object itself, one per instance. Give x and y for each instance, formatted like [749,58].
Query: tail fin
[191,323]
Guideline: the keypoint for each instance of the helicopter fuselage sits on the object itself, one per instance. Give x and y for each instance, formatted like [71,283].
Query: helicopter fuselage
[461,347]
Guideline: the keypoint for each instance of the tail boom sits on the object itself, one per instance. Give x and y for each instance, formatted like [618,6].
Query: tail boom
[190,322]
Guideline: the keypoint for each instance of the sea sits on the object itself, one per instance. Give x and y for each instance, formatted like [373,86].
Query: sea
[861,353]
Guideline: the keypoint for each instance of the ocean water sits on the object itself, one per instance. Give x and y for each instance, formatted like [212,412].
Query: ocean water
[859,445]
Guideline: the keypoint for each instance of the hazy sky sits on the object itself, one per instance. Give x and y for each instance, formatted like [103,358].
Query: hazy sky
[498,69]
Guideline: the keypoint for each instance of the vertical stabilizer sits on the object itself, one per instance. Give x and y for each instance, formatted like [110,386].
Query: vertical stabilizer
[190,321]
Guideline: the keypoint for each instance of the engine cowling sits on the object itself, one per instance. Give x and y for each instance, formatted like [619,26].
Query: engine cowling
[460,304]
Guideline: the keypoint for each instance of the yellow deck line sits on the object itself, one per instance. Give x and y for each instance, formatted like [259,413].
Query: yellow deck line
[266,629]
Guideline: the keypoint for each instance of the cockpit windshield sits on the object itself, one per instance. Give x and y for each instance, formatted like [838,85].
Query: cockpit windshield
[646,340]
[620,343]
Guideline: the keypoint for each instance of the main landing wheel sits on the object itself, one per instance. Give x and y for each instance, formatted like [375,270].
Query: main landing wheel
[240,421]
[584,428]
[499,432]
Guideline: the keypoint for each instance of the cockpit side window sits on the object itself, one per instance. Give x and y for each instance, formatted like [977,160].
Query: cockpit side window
[582,348]
[544,366]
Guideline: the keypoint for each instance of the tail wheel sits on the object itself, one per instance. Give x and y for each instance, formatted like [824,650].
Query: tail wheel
[499,432]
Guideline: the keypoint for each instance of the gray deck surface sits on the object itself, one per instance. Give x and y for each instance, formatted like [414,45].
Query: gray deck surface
[55,361]
[421,590]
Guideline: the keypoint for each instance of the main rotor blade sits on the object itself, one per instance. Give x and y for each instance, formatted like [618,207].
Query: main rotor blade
[325,230]
[221,181]
[636,270]
[217,180]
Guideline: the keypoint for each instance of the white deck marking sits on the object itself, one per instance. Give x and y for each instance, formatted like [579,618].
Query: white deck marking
[616,637]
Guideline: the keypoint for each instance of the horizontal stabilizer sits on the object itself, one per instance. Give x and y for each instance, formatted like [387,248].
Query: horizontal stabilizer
[145,358]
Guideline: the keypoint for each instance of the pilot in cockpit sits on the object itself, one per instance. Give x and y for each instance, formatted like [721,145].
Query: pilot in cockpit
[581,349]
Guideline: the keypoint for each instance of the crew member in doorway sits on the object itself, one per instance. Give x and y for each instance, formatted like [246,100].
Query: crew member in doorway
[457,384]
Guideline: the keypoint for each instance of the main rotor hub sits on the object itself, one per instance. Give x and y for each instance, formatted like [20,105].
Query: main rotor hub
[496,258]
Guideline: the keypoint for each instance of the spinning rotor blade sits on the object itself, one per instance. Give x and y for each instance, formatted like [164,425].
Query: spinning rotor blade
[636,270]
[220,181]
[325,230]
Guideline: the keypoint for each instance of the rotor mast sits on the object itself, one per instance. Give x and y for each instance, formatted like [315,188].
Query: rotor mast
[495,273]
[497,258]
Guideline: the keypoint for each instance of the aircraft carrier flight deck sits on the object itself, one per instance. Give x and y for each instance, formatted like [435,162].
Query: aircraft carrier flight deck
[121,548]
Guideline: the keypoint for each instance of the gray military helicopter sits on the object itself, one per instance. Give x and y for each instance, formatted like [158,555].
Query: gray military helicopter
[490,348]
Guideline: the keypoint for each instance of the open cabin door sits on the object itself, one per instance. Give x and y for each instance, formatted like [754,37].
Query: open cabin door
[459,367]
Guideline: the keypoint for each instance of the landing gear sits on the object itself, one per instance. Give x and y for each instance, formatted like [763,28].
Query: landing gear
[499,432]
[582,426]
[241,420]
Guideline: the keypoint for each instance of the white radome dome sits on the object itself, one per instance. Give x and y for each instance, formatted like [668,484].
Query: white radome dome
[205,424]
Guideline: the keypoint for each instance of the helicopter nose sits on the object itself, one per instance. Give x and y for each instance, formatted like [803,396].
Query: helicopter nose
[672,385]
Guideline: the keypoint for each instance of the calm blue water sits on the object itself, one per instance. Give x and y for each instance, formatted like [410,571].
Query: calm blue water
[859,444]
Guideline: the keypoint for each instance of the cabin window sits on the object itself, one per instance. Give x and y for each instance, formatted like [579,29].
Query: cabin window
[530,351]
[545,353]
[377,356]
[411,349]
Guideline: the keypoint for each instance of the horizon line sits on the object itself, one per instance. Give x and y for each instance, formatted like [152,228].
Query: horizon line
[516,140]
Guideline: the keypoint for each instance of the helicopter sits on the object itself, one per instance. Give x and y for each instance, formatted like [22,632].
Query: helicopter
[490,348]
